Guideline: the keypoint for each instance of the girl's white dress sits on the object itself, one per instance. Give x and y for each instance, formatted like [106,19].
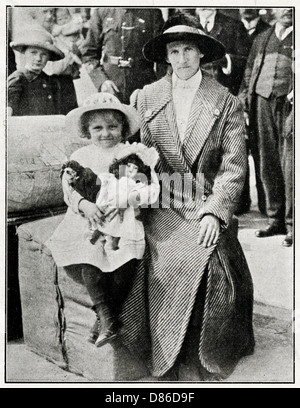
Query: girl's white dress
[70,243]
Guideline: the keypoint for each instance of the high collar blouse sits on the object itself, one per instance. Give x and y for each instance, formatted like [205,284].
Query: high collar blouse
[183,92]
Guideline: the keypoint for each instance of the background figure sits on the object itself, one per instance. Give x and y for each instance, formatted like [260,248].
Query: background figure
[287,168]
[85,13]
[44,17]
[232,33]
[253,23]
[254,26]
[115,65]
[68,38]
[30,90]
[267,82]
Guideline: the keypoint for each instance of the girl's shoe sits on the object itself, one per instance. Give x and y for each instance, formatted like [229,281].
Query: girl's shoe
[107,324]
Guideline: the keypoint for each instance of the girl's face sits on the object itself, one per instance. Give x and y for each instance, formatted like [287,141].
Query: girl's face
[36,59]
[105,130]
[131,170]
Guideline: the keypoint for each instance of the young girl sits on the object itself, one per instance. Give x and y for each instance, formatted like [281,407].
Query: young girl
[30,90]
[107,122]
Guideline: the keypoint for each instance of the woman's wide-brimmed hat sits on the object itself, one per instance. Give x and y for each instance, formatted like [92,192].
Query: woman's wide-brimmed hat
[37,38]
[105,101]
[155,49]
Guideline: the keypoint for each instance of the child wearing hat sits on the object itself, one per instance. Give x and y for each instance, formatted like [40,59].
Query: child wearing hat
[30,90]
[107,274]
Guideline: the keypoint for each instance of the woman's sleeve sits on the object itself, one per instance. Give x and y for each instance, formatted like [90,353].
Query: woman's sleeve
[230,179]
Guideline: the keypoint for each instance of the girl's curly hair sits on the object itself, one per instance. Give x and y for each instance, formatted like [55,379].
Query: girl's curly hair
[117,167]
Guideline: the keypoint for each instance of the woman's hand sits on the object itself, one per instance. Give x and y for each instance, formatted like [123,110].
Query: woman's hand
[91,212]
[209,231]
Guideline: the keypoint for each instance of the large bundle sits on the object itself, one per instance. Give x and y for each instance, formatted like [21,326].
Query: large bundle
[57,314]
[36,148]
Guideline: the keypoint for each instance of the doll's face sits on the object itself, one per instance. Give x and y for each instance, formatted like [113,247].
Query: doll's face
[70,175]
[131,170]
[105,129]
[36,59]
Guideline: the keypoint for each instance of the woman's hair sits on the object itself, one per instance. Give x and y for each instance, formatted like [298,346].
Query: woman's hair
[89,116]
[117,167]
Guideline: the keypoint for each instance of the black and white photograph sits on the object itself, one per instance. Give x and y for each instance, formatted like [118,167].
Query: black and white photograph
[149,196]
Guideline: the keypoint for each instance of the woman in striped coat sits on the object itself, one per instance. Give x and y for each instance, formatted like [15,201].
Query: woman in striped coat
[190,309]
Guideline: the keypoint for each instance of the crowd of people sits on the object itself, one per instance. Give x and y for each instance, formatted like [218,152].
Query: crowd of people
[179,292]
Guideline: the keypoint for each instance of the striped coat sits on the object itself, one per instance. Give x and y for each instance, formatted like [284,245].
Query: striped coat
[158,311]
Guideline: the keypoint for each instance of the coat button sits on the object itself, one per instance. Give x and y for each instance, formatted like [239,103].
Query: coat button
[148,113]
[204,198]
[216,112]
[44,86]
[49,97]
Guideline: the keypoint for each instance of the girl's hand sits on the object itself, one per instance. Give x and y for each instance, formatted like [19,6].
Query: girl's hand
[209,231]
[91,212]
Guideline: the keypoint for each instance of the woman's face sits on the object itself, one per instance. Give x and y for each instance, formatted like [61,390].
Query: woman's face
[36,59]
[184,57]
[46,17]
[105,130]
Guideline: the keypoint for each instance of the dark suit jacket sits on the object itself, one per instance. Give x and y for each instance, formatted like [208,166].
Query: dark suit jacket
[41,95]
[253,68]
[233,35]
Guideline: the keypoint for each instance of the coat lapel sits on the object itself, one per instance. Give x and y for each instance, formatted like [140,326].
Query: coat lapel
[207,107]
[167,137]
[217,28]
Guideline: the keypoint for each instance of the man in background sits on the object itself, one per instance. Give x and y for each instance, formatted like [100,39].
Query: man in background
[112,51]
[254,26]
[266,85]
[253,23]
[233,35]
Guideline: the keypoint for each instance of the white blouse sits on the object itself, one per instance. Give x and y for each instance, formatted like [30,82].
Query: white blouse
[184,92]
